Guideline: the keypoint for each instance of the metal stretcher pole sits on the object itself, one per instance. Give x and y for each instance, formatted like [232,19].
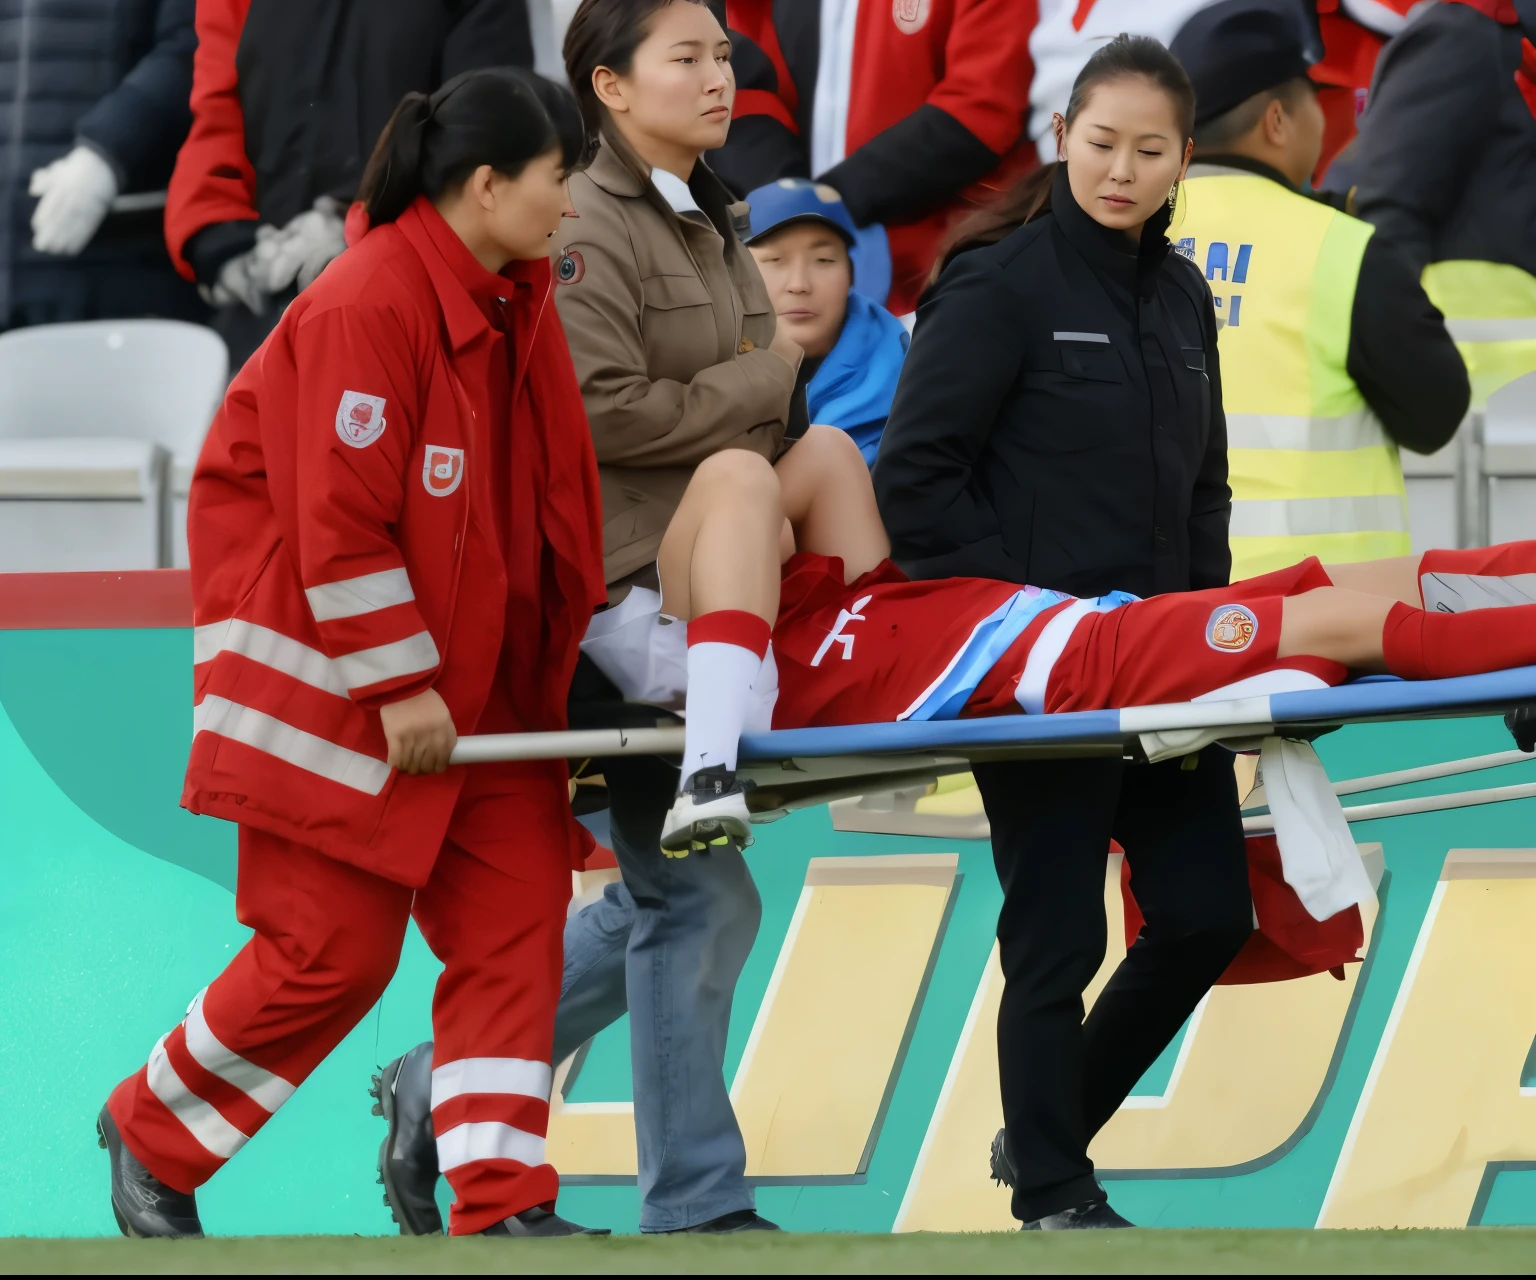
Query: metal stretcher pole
[573,744]
[1424,773]
[1262,823]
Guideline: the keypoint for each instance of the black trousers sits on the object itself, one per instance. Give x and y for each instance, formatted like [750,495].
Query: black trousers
[1052,821]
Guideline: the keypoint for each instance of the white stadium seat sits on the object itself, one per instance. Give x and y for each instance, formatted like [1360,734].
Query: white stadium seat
[100,426]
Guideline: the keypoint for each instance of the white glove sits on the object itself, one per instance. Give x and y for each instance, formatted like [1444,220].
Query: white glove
[303,249]
[241,281]
[76,190]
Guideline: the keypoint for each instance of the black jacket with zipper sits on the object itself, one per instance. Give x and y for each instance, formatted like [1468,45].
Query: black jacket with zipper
[1058,420]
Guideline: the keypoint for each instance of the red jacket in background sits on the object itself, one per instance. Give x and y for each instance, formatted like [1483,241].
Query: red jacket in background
[345,549]
[289,97]
[1353,33]
[937,96]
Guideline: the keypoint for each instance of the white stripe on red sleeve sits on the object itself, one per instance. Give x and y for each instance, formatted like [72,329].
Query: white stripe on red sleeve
[352,597]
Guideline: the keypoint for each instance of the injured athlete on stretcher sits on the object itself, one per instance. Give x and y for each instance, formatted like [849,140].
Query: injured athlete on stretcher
[883,648]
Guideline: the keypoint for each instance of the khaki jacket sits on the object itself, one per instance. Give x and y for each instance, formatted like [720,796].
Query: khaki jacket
[669,323]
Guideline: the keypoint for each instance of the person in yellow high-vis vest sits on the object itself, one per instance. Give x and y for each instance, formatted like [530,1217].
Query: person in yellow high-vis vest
[1332,355]
[1445,166]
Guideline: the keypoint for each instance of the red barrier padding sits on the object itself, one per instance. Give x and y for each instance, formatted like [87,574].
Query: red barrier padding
[136,598]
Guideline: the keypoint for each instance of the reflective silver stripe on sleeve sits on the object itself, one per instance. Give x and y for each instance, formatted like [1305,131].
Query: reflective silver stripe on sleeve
[1311,517]
[202,1121]
[352,597]
[1071,335]
[521,1076]
[269,648]
[1493,329]
[266,1090]
[277,738]
[487,1140]
[1359,430]
[406,657]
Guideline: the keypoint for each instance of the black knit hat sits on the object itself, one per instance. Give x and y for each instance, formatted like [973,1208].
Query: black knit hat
[1237,48]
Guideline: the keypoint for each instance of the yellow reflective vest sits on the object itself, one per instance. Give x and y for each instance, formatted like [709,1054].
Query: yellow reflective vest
[1313,472]
[1490,310]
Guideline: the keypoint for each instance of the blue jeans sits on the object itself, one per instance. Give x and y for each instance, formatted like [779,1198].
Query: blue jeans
[667,943]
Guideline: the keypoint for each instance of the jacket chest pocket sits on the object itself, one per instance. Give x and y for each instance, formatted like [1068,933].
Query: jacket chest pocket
[1089,357]
[678,327]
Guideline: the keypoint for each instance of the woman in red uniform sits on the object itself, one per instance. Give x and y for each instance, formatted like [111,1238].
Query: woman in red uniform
[394,540]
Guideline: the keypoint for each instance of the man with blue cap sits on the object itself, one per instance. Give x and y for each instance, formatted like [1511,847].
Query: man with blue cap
[812,258]
[1332,355]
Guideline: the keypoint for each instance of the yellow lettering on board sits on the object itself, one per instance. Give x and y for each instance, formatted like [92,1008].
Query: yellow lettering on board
[1443,1097]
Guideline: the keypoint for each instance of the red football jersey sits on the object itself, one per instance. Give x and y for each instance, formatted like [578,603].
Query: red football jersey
[870,651]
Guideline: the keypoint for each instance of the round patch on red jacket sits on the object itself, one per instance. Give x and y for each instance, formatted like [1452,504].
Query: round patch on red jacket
[911,16]
[1231,628]
[570,268]
[359,419]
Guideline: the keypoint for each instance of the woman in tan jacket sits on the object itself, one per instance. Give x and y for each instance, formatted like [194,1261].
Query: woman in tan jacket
[690,390]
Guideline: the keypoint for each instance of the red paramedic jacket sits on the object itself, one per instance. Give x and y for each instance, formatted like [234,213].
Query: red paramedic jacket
[345,551]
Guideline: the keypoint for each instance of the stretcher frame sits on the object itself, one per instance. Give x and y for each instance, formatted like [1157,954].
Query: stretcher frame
[796,768]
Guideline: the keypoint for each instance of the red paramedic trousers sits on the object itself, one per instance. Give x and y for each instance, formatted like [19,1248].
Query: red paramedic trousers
[328,936]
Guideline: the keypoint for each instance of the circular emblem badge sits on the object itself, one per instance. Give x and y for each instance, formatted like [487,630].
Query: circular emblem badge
[570,268]
[911,15]
[1231,628]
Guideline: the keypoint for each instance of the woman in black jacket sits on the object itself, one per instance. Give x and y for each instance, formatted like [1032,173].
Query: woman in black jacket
[1059,423]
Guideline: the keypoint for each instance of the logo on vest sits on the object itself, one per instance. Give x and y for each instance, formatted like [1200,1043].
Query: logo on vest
[911,16]
[844,617]
[442,470]
[1231,628]
[1231,267]
[359,419]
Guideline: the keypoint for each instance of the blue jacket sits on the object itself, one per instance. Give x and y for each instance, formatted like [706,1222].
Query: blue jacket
[856,383]
[115,75]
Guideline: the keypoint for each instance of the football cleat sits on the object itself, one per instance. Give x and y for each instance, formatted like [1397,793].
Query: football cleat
[402,1094]
[539,1223]
[710,815]
[1095,1215]
[143,1205]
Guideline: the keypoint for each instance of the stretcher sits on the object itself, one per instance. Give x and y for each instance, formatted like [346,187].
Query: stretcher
[796,768]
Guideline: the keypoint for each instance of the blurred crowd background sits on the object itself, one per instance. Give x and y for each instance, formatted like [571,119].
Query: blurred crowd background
[175,171]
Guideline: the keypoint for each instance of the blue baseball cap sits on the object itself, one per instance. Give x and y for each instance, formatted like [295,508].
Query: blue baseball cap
[790,200]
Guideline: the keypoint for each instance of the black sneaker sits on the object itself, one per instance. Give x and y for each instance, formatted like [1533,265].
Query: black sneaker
[1003,1171]
[402,1094]
[142,1204]
[1521,723]
[539,1223]
[728,1224]
[710,814]
[1096,1215]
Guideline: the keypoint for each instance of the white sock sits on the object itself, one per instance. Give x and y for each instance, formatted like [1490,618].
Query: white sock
[720,680]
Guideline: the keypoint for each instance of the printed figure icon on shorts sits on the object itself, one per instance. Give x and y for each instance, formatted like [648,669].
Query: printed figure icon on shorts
[442,469]
[1232,628]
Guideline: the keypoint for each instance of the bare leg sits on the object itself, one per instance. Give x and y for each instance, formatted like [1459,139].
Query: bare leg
[1395,579]
[721,550]
[830,501]
[1341,625]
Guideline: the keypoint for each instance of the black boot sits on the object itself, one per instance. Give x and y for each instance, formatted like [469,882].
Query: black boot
[729,1224]
[539,1223]
[141,1203]
[402,1094]
[1095,1215]
[1003,1171]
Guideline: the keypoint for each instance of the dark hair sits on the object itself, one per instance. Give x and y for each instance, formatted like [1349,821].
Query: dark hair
[500,116]
[1229,126]
[1123,58]
[606,33]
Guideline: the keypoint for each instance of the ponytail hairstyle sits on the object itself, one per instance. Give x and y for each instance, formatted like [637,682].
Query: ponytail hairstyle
[500,116]
[606,33]
[1123,58]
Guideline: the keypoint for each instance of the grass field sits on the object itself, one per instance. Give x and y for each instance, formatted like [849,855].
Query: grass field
[1502,1250]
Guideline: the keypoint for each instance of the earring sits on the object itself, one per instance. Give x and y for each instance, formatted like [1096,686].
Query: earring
[1173,196]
